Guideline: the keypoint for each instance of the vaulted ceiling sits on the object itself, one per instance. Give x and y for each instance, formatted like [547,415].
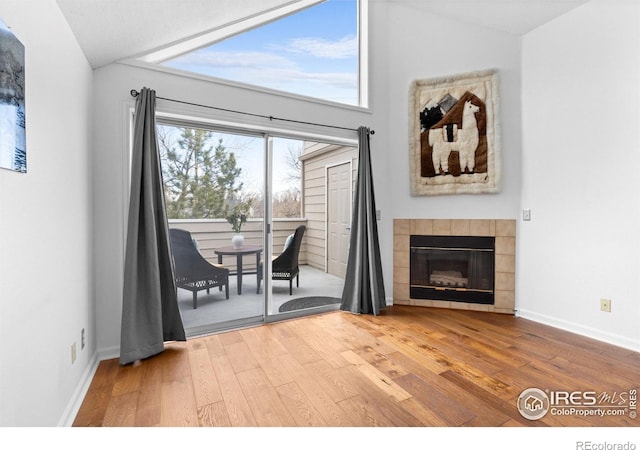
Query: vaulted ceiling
[110,30]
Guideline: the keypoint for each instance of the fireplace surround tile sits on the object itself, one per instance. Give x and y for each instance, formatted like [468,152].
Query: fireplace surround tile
[505,263]
[442,227]
[504,230]
[481,227]
[460,227]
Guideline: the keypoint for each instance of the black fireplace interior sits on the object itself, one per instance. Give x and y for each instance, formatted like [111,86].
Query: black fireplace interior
[453,268]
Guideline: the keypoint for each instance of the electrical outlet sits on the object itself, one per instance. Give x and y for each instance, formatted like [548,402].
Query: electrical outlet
[605,305]
[526,214]
[73,353]
[82,339]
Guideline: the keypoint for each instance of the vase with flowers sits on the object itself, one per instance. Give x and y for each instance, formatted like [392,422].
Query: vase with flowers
[237,217]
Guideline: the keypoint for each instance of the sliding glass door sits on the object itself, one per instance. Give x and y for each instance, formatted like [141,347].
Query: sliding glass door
[273,211]
[312,185]
[214,181]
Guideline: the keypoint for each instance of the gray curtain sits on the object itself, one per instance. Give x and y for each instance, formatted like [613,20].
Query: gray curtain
[364,286]
[150,314]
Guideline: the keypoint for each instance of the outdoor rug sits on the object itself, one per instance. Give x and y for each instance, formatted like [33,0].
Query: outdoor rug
[308,302]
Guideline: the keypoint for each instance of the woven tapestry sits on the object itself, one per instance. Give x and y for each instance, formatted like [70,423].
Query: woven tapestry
[454,135]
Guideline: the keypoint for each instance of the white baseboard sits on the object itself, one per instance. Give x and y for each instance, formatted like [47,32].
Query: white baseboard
[609,338]
[78,395]
[109,353]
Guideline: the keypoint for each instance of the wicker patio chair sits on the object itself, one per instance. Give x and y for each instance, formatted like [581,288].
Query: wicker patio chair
[193,272]
[285,266]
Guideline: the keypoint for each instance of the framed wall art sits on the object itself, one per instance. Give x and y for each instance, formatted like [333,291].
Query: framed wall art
[454,134]
[13,150]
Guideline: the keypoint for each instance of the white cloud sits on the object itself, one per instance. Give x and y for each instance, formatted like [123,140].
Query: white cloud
[215,59]
[347,47]
[269,70]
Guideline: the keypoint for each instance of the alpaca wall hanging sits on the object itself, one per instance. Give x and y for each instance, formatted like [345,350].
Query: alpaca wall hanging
[454,135]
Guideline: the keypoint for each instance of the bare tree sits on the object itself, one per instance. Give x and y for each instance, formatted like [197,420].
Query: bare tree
[294,163]
[287,204]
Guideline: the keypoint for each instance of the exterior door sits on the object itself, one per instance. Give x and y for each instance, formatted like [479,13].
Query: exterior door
[338,218]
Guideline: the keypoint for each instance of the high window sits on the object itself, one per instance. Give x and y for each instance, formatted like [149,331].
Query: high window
[316,52]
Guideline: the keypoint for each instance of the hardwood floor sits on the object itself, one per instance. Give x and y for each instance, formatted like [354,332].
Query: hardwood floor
[408,367]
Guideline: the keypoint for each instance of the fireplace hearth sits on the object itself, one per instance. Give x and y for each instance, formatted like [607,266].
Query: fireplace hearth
[452,268]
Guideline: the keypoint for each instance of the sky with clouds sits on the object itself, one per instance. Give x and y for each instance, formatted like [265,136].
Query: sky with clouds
[313,52]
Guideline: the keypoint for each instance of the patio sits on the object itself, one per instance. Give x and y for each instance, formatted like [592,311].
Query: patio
[216,313]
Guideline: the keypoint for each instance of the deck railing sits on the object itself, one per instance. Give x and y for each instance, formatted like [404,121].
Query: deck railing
[216,233]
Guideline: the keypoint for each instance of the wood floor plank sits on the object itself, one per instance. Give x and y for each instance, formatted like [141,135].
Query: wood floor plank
[447,359]
[178,404]
[175,362]
[354,337]
[407,367]
[592,371]
[121,411]
[268,409]
[128,379]
[265,339]
[362,413]
[302,351]
[377,378]
[381,362]
[148,413]
[322,343]
[383,402]
[230,337]
[447,354]
[238,409]
[457,398]
[205,382]
[420,355]
[330,380]
[266,354]
[213,415]
[495,409]
[281,330]
[213,344]
[241,357]
[307,380]
[422,413]
[95,403]
[452,412]
[497,356]
[299,406]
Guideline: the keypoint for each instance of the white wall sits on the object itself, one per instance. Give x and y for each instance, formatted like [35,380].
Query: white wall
[420,45]
[423,46]
[46,274]
[580,122]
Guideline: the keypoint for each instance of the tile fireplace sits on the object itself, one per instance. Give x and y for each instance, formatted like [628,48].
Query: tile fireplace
[455,263]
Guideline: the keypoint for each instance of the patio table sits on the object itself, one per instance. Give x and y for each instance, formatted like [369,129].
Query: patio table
[239,253]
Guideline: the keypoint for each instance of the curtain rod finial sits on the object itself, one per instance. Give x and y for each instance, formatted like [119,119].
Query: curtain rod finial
[134,93]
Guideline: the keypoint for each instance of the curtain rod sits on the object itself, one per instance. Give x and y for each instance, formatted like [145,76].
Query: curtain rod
[134,93]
